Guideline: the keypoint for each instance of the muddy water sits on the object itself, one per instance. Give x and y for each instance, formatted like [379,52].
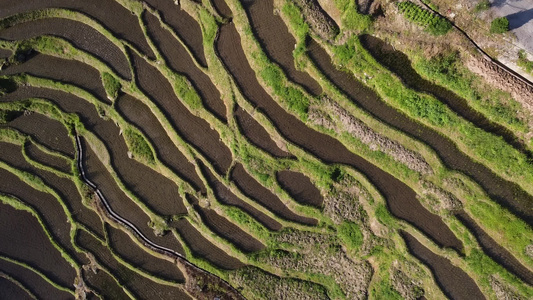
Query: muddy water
[10,290]
[400,198]
[179,60]
[453,281]
[300,188]
[257,135]
[137,113]
[400,64]
[224,195]
[495,251]
[505,192]
[110,13]
[185,26]
[80,35]
[277,42]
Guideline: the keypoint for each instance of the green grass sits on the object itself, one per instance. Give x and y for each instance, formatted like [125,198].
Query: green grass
[523,62]
[433,23]
[111,84]
[482,6]
[499,25]
[350,234]
[138,145]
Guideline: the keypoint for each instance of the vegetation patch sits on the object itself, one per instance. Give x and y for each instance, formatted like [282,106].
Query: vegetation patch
[112,85]
[499,25]
[523,62]
[139,147]
[433,23]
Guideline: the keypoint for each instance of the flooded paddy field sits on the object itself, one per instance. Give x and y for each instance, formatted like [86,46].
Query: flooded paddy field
[160,179]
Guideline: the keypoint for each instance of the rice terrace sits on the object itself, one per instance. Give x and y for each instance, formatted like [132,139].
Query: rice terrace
[266,149]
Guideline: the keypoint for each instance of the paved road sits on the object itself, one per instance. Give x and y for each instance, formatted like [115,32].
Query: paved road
[520,16]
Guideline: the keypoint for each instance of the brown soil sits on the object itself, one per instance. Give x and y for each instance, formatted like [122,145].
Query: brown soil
[183,25]
[222,8]
[32,281]
[104,285]
[501,79]
[137,113]
[400,198]
[320,22]
[64,70]
[80,35]
[120,203]
[23,239]
[495,251]
[505,192]
[300,188]
[46,159]
[201,247]
[131,252]
[453,281]
[257,134]
[225,196]
[191,128]
[181,62]
[9,290]
[5,53]
[277,41]
[399,63]
[253,189]
[110,13]
[227,229]
[46,131]
[141,286]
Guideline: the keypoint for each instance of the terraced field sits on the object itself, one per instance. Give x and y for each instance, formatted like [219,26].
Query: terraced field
[254,149]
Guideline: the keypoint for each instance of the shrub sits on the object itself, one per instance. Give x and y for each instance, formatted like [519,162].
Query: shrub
[138,146]
[523,62]
[350,234]
[499,25]
[111,85]
[482,5]
[433,23]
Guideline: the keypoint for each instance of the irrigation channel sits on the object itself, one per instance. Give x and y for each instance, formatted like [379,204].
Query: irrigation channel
[130,226]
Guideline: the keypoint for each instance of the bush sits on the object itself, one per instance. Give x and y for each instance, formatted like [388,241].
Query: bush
[523,62]
[138,146]
[111,85]
[350,234]
[482,5]
[499,25]
[433,23]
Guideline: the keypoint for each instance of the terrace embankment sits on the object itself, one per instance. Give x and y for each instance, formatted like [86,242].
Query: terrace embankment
[110,13]
[253,189]
[56,162]
[399,63]
[137,113]
[190,127]
[35,283]
[120,202]
[203,248]
[63,70]
[226,229]
[507,193]
[453,281]
[46,131]
[80,35]
[183,25]
[257,134]
[277,42]
[139,285]
[300,188]
[49,208]
[400,198]
[103,284]
[24,239]
[123,245]
[179,60]
[224,195]
[498,253]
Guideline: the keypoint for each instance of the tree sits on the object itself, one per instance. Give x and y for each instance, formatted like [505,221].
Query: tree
[499,25]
